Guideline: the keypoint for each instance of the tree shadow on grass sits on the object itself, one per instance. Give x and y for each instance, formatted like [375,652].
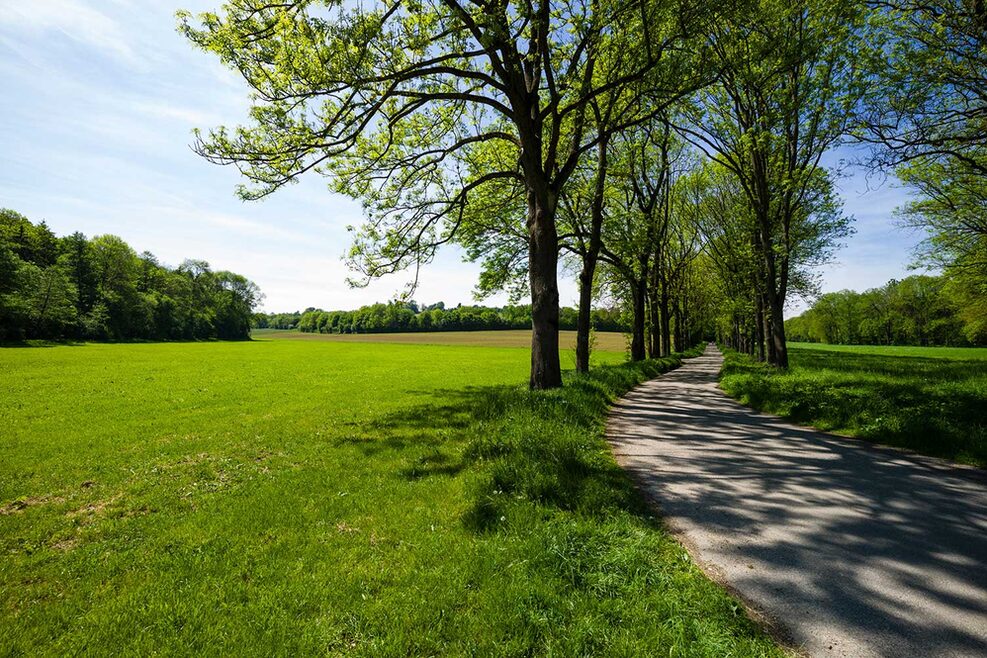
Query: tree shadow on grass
[896,365]
[544,448]
[934,406]
[32,343]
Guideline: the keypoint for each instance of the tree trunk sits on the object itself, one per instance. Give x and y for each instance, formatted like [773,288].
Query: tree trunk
[678,326]
[666,329]
[654,317]
[772,356]
[686,321]
[543,276]
[637,334]
[778,334]
[584,320]
[759,325]
[775,300]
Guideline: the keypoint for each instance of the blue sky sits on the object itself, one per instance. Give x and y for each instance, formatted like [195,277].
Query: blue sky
[99,101]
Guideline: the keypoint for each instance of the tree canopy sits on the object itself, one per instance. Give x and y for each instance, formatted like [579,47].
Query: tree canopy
[669,154]
[100,288]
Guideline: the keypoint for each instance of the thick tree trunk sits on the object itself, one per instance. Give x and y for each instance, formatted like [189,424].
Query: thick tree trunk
[778,334]
[543,261]
[686,329]
[775,300]
[776,318]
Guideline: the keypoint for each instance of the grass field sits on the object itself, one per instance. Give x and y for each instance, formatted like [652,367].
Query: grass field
[953,353]
[287,497]
[606,341]
[929,399]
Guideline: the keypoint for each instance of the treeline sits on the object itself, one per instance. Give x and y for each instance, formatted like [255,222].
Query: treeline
[410,316]
[918,310]
[73,287]
[277,320]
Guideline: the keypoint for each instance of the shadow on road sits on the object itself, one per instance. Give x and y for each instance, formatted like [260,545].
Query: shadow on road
[853,549]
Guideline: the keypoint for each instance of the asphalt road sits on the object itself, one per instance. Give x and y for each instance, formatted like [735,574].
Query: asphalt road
[844,548]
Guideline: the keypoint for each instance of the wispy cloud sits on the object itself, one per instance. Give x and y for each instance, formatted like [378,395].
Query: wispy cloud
[72,19]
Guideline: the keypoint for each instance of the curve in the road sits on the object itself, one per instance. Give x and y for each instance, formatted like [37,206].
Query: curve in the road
[848,549]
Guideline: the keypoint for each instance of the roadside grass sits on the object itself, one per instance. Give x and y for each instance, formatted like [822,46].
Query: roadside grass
[931,400]
[300,498]
[606,341]
[957,353]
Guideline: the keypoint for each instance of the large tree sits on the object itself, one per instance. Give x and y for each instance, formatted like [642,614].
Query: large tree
[395,102]
[927,115]
[788,92]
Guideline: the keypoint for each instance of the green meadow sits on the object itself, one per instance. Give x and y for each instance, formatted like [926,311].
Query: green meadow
[286,497]
[931,400]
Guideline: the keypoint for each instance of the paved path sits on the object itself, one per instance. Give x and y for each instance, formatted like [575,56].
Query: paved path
[847,549]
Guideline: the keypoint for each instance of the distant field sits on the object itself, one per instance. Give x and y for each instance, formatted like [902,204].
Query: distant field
[606,341]
[929,399]
[959,353]
[319,497]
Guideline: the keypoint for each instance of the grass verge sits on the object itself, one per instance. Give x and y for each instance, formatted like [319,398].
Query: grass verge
[932,404]
[295,498]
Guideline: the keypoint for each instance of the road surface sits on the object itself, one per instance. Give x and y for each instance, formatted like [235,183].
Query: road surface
[844,548]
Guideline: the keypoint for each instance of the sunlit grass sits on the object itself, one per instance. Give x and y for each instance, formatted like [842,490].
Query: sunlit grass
[958,353]
[932,400]
[604,341]
[321,498]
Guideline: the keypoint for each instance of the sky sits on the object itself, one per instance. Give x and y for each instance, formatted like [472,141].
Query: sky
[98,105]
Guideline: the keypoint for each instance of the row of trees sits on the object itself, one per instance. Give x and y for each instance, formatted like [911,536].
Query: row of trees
[277,320]
[918,310]
[100,288]
[409,316]
[668,151]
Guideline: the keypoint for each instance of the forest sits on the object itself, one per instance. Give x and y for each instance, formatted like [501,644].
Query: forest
[917,310]
[74,287]
[400,316]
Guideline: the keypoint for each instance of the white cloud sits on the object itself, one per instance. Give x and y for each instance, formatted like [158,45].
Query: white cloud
[251,228]
[71,18]
[184,114]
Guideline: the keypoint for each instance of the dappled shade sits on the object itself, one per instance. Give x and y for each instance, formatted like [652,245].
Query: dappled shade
[850,548]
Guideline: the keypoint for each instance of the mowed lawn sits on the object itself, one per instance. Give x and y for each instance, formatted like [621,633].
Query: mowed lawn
[929,399]
[605,341]
[289,497]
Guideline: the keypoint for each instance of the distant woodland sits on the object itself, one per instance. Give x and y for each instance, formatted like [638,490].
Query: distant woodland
[74,287]
[411,316]
[917,310]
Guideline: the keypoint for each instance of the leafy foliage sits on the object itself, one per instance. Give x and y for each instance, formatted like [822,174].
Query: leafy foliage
[918,310]
[408,316]
[72,287]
